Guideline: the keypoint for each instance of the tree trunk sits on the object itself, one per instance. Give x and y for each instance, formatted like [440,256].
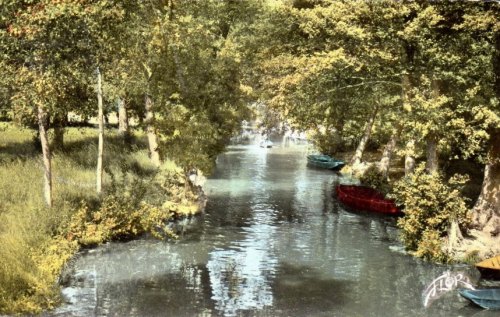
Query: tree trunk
[385,161]
[486,212]
[455,237]
[59,126]
[42,128]
[151,133]
[406,84]
[432,140]
[356,159]
[410,158]
[432,164]
[123,127]
[100,118]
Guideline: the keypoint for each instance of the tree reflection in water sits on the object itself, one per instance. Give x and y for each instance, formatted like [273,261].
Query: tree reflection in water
[241,278]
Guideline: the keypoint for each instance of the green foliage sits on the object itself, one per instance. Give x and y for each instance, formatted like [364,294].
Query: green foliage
[430,205]
[134,206]
[328,142]
[472,257]
[32,255]
[372,177]
[319,65]
[117,219]
[36,242]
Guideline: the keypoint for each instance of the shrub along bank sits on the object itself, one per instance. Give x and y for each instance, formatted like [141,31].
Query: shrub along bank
[36,242]
[435,208]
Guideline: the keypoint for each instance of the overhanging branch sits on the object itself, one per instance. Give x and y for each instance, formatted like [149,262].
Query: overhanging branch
[365,84]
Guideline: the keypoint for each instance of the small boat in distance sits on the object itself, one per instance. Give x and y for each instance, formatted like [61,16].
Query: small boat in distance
[366,198]
[487,298]
[266,144]
[490,268]
[324,161]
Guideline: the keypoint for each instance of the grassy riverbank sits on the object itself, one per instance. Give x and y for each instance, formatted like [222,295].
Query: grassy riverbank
[36,242]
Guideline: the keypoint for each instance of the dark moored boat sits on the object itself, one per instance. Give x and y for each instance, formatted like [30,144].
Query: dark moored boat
[324,161]
[488,298]
[490,268]
[366,198]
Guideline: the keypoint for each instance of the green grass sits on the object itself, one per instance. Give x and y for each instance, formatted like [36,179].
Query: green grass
[32,250]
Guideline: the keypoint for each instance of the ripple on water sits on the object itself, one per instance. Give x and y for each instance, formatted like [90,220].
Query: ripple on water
[273,242]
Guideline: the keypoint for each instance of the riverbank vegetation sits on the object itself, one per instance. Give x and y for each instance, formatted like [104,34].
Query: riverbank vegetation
[419,81]
[37,241]
[416,82]
[169,70]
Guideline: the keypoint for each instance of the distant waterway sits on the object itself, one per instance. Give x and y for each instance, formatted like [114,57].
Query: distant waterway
[272,242]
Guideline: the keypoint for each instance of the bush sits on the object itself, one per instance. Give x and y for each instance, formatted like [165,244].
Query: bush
[116,219]
[134,206]
[328,143]
[37,242]
[31,257]
[374,179]
[430,205]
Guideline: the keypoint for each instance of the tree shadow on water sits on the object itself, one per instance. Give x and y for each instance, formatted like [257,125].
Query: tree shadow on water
[301,291]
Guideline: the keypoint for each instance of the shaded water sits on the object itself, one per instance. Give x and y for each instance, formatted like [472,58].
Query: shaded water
[273,242]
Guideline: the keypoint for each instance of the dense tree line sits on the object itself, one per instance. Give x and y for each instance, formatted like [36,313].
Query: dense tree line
[421,76]
[172,65]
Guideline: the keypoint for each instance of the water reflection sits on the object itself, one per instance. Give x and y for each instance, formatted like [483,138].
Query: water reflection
[273,242]
[241,275]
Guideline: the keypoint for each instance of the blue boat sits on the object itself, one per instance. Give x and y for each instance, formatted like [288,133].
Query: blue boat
[324,161]
[487,298]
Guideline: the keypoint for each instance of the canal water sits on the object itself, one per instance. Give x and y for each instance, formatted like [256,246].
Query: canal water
[272,242]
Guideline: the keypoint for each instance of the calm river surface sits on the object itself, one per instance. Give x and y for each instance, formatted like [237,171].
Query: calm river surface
[273,242]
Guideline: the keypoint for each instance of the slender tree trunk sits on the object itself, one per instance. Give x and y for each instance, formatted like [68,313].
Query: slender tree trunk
[385,161]
[42,128]
[123,127]
[432,164]
[487,208]
[151,133]
[356,159]
[410,157]
[100,118]
[59,127]
[406,83]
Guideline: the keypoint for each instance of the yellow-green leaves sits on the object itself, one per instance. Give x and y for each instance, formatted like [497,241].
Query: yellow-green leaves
[430,205]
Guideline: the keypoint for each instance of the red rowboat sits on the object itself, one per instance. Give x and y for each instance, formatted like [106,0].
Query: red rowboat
[366,198]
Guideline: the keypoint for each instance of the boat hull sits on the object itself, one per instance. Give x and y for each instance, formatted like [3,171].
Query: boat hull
[490,268]
[324,162]
[487,298]
[366,198]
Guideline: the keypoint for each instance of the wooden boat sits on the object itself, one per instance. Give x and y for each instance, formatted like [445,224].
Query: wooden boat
[366,198]
[324,161]
[490,268]
[488,298]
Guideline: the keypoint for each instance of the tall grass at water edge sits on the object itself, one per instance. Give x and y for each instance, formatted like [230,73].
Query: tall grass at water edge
[32,251]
